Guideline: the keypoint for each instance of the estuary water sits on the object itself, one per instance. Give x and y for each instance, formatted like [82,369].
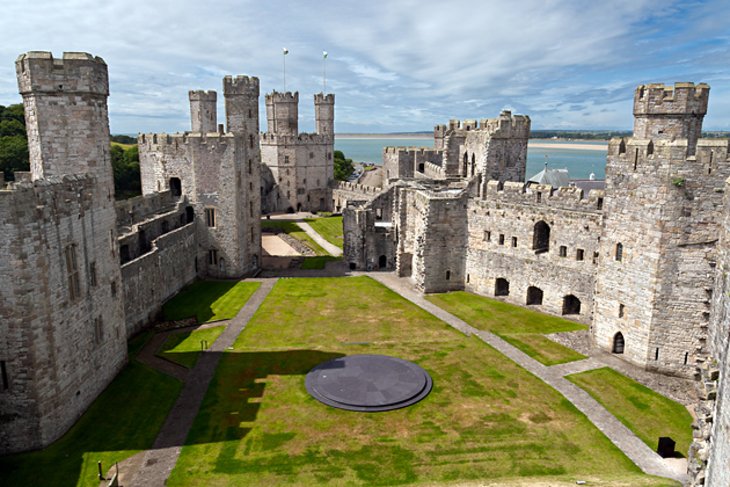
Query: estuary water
[579,161]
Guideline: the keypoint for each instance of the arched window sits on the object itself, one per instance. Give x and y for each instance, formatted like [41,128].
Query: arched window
[541,237]
[466,162]
[175,186]
[473,163]
[571,305]
[534,295]
[619,251]
[501,287]
[618,343]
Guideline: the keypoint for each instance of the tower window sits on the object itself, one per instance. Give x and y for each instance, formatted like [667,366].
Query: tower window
[250,164]
[210,217]
[514,241]
[501,239]
[92,274]
[621,310]
[487,235]
[579,253]
[619,252]
[4,374]
[563,251]
[541,237]
[98,330]
[250,141]
[74,287]
[212,257]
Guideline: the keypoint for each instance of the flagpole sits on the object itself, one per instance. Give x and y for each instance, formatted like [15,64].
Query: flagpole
[285,51]
[324,71]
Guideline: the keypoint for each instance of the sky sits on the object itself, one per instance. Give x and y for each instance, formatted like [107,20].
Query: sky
[393,65]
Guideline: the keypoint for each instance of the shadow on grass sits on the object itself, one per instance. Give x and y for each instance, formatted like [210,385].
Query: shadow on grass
[197,300]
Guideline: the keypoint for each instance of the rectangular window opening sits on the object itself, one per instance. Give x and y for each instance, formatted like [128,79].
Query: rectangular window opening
[514,241]
[210,217]
[579,254]
[4,373]
[501,239]
[74,287]
[563,251]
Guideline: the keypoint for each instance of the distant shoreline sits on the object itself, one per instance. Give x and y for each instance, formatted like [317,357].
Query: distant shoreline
[565,144]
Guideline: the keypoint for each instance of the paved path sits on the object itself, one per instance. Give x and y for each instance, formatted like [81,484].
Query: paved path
[646,459]
[158,462]
[332,249]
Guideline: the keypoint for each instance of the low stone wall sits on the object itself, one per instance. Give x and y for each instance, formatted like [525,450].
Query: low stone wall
[155,277]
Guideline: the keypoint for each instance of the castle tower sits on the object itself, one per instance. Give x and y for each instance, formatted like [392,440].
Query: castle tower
[282,113]
[63,99]
[203,111]
[241,95]
[324,113]
[660,230]
[63,330]
[670,112]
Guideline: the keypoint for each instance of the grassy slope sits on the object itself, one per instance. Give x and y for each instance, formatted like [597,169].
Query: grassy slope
[330,228]
[521,327]
[109,431]
[486,418]
[648,414]
[210,300]
[292,229]
[184,347]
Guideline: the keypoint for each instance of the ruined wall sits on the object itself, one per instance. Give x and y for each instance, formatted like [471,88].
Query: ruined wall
[501,245]
[150,280]
[369,234]
[343,192]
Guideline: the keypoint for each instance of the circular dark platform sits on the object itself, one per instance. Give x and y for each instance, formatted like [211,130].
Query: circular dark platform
[368,383]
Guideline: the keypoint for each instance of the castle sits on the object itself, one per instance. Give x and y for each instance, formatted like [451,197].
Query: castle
[645,262]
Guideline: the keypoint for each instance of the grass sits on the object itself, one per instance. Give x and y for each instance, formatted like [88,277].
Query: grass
[122,421]
[318,262]
[648,414]
[291,228]
[209,300]
[523,328]
[330,228]
[486,417]
[123,146]
[184,347]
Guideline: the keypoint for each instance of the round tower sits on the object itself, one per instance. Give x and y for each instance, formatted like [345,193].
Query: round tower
[241,95]
[670,112]
[282,113]
[324,113]
[203,111]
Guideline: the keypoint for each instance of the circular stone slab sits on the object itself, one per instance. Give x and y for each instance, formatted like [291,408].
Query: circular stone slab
[368,383]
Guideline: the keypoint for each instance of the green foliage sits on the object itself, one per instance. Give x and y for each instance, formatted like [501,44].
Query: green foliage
[13,141]
[209,300]
[123,420]
[124,139]
[125,164]
[678,182]
[648,414]
[343,166]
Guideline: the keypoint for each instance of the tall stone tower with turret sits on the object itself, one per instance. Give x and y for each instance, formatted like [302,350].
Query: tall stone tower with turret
[219,172]
[657,250]
[62,331]
[298,167]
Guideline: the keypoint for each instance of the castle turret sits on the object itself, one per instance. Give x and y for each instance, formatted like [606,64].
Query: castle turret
[324,113]
[66,114]
[282,113]
[670,112]
[203,111]
[241,95]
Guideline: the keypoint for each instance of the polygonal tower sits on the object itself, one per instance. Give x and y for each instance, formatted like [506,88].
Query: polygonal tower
[203,111]
[324,113]
[282,113]
[241,95]
[657,249]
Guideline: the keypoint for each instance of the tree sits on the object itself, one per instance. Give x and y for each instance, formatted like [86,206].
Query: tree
[13,142]
[343,166]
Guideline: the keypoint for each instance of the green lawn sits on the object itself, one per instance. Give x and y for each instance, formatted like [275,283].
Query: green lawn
[318,262]
[123,420]
[330,228]
[521,327]
[209,300]
[292,229]
[648,414]
[486,417]
[184,347]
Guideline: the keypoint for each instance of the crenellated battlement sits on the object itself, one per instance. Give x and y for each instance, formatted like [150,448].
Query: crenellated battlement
[240,85]
[203,95]
[570,198]
[631,148]
[76,72]
[50,198]
[267,138]
[328,98]
[682,98]
[411,150]
[278,97]
[505,125]
[151,142]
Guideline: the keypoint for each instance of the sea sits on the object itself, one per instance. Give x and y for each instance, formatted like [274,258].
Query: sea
[581,163]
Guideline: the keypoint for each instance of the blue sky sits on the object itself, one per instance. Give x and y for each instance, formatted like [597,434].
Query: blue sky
[394,66]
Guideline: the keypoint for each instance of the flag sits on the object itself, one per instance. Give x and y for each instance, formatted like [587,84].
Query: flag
[285,50]
[324,54]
